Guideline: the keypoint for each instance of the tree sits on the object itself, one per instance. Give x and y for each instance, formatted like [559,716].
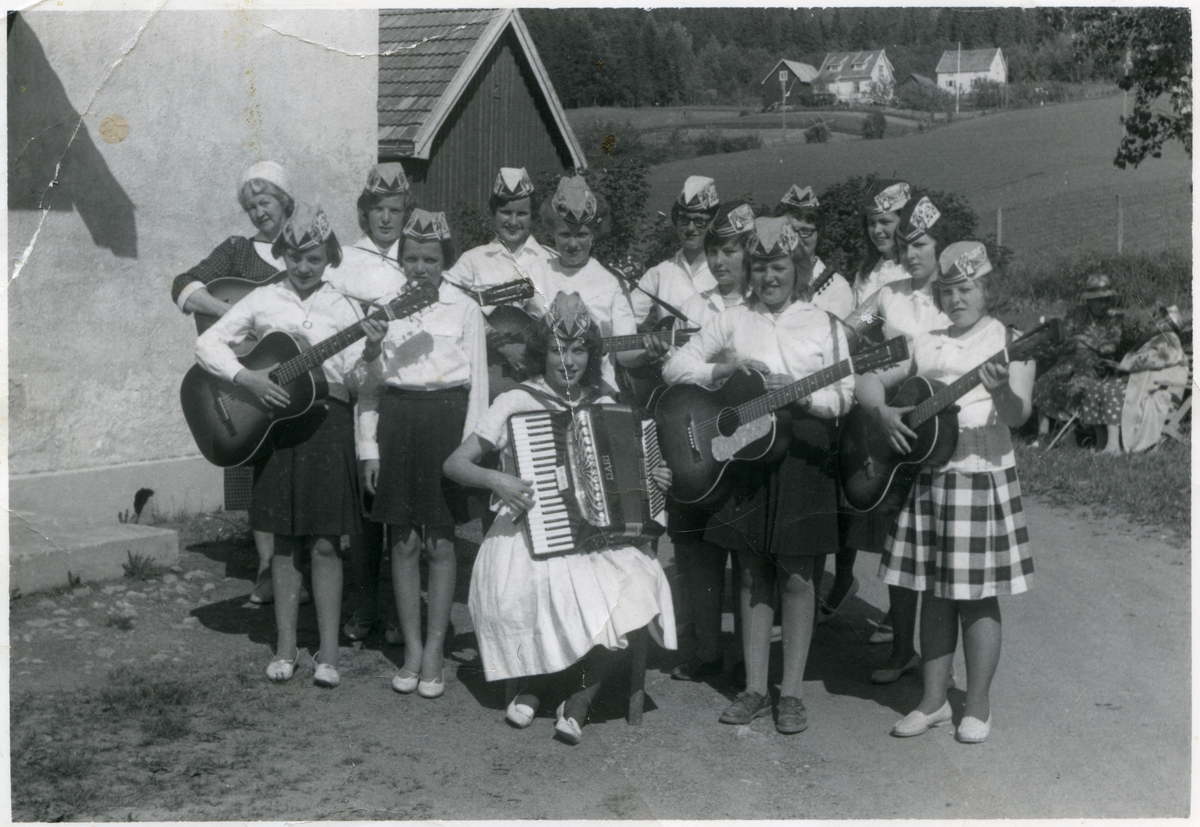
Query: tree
[1153,48]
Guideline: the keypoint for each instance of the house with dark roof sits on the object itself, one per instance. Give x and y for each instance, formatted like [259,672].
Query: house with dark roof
[857,77]
[914,79]
[790,82]
[962,69]
[462,92]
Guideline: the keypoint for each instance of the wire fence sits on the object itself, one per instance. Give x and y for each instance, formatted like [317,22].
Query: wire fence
[1107,219]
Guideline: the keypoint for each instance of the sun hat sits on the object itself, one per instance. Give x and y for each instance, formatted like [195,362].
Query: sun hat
[270,172]
[1098,286]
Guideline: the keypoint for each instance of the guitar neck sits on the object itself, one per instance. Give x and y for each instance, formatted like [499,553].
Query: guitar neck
[946,397]
[318,353]
[773,401]
[616,344]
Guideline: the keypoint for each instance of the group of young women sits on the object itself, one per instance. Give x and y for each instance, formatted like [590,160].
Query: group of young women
[413,420]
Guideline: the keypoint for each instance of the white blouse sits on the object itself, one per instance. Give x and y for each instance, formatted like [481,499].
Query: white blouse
[799,341]
[493,263]
[677,283]
[984,441]
[440,347]
[908,312]
[367,273]
[884,272]
[600,291]
[279,307]
[836,296]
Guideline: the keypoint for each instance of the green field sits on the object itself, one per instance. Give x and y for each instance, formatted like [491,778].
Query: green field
[1049,169]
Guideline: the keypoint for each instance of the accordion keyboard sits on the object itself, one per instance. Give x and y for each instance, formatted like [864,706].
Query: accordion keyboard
[537,447]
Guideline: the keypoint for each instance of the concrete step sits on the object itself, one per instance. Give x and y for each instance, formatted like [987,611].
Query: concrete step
[44,548]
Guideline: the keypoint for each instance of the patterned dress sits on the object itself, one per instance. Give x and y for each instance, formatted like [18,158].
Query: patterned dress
[962,533]
[1060,392]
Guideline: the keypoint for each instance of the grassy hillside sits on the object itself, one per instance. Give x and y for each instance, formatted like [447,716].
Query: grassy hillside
[1049,168]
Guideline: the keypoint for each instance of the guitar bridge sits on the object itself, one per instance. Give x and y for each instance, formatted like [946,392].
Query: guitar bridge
[869,467]
[696,456]
[223,413]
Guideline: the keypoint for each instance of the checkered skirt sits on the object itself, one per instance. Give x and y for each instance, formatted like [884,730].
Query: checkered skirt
[961,536]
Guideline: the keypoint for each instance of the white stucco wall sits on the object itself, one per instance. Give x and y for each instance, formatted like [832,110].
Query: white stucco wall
[96,347]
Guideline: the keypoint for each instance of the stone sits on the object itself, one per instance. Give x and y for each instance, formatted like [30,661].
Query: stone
[82,591]
[135,594]
[38,623]
[81,623]
[183,601]
[62,611]
[208,587]
[169,578]
[196,573]
[181,589]
[44,548]
[191,621]
[46,603]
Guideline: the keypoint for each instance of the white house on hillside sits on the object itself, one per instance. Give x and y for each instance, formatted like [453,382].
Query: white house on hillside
[962,70]
[856,77]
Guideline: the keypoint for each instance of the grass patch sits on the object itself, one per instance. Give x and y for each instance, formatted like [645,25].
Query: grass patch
[1143,281]
[142,567]
[137,739]
[229,528]
[1151,488]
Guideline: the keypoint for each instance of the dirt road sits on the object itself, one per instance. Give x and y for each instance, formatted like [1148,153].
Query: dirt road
[1092,713]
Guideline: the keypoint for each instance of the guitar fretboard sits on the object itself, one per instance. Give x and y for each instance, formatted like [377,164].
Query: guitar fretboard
[405,305]
[616,344]
[773,401]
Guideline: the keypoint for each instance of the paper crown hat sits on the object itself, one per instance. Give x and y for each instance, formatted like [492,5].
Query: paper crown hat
[305,230]
[916,219]
[699,193]
[773,237]
[423,225]
[387,179]
[568,317]
[270,172]
[512,183]
[1098,286]
[573,200]
[963,261]
[800,199]
[732,219]
[1172,316]
[886,196]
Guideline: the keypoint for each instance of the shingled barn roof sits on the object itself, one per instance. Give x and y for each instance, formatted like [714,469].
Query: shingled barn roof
[428,56]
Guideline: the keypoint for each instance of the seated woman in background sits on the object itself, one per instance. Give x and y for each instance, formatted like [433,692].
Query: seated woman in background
[265,193]
[1149,384]
[305,494]
[537,615]
[1094,332]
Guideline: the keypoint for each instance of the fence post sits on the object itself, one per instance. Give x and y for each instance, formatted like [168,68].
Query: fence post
[999,226]
[1120,226]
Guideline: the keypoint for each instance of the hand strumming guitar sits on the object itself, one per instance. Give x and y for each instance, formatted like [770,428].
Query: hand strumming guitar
[726,369]
[891,421]
[259,383]
[375,330]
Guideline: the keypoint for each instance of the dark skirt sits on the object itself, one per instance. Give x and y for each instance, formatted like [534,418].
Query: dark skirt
[418,430]
[311,486]
[1103,401]
[239,482]
[787,509]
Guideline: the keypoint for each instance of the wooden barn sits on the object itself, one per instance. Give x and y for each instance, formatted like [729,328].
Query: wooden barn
[790,81]
[462,93]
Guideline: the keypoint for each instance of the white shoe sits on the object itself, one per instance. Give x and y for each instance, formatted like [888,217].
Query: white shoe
[973,730]
[434,688]
[326,676]
[567,728]
[519,715]
[280,669]
[918,723]
[406,682]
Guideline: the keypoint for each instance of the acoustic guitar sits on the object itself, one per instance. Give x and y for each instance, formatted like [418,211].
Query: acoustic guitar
[875,475]
[232,427]
[701,431]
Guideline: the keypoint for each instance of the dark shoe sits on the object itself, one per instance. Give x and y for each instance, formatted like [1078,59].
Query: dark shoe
[827,610]
[745,708]
[696,670]
[264,589]
[886,676]
[791,716]
[357,628]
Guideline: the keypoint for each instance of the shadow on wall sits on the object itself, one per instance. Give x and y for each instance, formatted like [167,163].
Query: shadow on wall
[42,132]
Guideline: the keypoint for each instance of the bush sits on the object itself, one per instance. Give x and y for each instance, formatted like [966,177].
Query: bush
[469,226]
[818,133]
[922,98]
[987,94]
[874,125]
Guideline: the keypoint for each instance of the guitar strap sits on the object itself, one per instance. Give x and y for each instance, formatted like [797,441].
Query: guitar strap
[632,282]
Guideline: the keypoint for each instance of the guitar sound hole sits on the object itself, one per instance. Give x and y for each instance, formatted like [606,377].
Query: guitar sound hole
[727,422]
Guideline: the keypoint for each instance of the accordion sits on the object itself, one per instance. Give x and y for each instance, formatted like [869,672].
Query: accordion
[590,470]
